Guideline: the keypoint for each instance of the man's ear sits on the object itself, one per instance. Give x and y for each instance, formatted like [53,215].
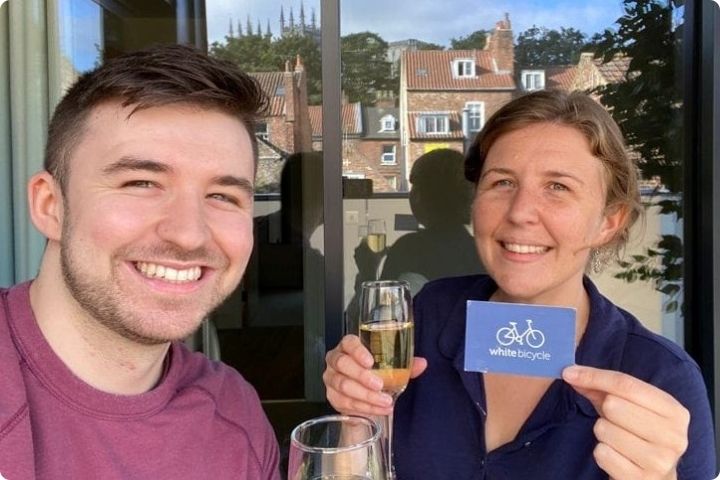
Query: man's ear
[45,203]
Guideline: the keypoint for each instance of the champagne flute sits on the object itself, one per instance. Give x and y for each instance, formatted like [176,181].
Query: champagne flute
[376,235]
[386,330]
[336,447]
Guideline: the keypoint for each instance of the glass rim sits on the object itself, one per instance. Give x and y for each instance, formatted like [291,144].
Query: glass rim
[375,427]
[385,283]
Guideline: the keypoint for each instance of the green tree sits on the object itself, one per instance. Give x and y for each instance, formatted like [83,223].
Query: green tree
[428,46]
[288,47]
[262,53]
[540,46]
[252,53]
[474,41]
[365,68]
[648,108]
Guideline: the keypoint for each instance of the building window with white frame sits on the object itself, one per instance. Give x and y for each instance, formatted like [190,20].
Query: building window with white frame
[533,80]
[261,130]
[437,123]
[475,116]
[463,68]
[388,155]
[387,123]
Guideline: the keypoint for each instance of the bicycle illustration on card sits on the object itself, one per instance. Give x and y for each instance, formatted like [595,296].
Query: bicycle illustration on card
[531,336]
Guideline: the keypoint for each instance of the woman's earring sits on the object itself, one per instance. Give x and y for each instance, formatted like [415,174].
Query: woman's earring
[599,259]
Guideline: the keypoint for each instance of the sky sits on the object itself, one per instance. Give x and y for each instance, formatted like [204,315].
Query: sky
[427,20]
[435,21]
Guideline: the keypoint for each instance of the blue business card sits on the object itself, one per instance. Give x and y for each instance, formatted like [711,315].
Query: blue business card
[520,339]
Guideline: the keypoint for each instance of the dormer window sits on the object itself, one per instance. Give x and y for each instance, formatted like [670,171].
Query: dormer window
[463,68]
[433,123]
[387,123]
[533,80]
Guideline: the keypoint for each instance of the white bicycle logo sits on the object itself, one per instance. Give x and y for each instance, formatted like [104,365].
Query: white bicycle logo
[509,335]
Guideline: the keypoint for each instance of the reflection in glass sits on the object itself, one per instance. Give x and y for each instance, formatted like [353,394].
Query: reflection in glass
[443,83]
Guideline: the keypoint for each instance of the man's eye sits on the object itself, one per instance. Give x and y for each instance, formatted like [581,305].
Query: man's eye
[558,187]
[139,184]
[224,198]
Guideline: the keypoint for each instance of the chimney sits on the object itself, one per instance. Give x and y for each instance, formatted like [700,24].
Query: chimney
[500,46]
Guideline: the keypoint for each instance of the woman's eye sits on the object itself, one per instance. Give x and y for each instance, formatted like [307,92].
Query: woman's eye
[503,183]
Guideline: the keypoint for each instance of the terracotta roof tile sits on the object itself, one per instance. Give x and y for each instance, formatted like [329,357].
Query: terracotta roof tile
[560,77]
[270,83]
[432,70]
[351,121]
[615,70]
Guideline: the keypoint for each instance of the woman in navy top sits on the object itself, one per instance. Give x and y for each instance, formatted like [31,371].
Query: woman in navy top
[555,194]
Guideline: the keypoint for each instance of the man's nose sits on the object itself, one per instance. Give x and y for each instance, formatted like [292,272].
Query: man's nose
[184,223]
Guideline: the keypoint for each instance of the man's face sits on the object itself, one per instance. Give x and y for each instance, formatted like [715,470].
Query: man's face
[157,225]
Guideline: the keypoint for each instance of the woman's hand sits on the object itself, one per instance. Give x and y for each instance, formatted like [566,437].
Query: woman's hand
[642,431]
[351,386]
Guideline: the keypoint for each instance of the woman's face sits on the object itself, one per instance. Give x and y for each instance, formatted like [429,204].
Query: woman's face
[539,209]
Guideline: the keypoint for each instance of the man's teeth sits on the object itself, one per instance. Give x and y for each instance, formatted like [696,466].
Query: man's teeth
[517,248]
[152,270]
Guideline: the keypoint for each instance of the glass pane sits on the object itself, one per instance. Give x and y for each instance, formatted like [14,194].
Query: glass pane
[272,329]
[443,80]
[81,37]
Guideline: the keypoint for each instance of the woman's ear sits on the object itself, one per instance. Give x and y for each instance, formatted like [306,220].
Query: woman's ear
[614,220]
[45,203]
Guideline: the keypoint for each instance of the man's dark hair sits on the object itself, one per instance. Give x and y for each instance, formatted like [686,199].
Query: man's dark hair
[158,76]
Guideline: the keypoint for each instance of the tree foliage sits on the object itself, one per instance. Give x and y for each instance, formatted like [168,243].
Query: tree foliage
[473,41]
[365,67]
[262,53]
[540,46]
[648,108]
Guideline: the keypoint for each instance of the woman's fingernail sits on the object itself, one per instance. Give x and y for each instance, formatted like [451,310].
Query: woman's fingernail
[571,373]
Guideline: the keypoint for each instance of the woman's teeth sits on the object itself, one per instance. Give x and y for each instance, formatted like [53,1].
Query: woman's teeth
[517,248]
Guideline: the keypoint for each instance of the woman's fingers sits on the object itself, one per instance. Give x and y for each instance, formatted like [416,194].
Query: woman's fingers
[642,431]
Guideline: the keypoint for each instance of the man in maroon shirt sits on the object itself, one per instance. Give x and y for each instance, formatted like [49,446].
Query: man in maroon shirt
[146,202]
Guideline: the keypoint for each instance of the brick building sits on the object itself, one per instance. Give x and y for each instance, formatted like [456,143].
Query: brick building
[446,95]
[285,128]
[370,143]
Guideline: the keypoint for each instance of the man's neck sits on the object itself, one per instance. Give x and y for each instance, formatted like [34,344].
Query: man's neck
[95,354]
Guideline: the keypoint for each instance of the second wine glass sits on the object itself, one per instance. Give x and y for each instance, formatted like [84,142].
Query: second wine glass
[386,330]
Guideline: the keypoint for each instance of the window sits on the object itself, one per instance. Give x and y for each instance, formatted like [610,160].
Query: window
[392,182]
[421,72]
[433,123]
[475,116]
[261,130]
[464,68]
[533,79]
[388,155]
[387,123]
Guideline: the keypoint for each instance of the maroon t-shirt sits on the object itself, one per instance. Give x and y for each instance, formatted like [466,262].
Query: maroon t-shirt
[203,420]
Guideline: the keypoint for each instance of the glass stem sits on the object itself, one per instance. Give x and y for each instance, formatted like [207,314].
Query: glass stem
[388,429]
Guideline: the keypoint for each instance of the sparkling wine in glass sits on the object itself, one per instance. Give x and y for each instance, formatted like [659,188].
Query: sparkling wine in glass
[386,330]
[376,235]
[336,447]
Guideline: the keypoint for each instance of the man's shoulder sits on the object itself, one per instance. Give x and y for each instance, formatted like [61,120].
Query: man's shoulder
[235,398]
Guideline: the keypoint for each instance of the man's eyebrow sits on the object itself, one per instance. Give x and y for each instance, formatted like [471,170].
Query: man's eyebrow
[134,163]
[561,174]
[233,181]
